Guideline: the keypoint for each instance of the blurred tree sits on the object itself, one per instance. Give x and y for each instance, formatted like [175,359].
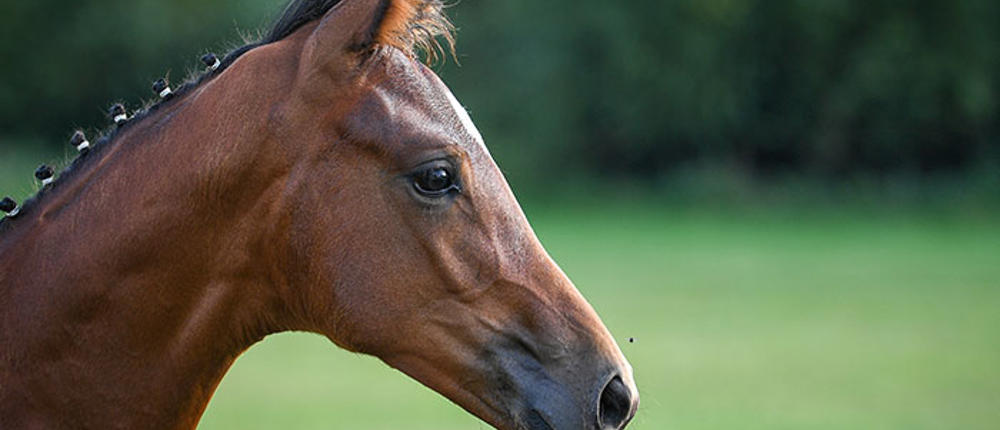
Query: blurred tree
[67,61]
[827,88]
[636,90]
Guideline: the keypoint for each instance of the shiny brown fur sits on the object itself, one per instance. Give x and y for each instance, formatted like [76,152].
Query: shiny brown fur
[278,195]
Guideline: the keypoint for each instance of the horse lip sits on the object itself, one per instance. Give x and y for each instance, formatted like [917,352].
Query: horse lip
[543,402]
[535,420]
[540,392]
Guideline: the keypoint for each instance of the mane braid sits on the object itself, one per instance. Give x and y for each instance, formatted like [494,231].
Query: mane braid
[412,26]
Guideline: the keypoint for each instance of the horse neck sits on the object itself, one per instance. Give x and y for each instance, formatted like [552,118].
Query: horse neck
[133,285]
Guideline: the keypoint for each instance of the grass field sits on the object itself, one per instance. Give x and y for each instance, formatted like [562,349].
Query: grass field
[759,320]
[746,319]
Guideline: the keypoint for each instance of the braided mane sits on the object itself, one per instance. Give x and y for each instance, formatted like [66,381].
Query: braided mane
[412,26]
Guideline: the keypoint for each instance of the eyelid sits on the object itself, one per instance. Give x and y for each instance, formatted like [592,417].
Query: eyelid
[454,188]
[418,153]
[443,160]
[438,157]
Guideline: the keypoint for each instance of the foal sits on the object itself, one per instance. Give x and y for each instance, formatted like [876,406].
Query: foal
[322,180]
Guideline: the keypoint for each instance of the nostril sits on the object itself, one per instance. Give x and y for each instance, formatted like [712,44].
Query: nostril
[615,405]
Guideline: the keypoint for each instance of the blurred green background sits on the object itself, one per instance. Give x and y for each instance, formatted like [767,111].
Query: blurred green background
[791,205]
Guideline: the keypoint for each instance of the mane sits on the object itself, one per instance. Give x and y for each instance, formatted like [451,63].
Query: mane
[415,26]
[412,26]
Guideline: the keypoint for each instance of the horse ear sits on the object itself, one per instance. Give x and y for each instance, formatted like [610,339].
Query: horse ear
[347,30]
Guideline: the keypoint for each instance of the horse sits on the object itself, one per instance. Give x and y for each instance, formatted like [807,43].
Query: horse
[322,179]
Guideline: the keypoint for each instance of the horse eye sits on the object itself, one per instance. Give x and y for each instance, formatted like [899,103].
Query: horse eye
[434,182]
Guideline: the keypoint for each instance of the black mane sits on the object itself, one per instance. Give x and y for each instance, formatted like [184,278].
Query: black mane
[296,14]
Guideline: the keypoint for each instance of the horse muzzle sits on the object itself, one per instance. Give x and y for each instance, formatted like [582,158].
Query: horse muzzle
[573,393]
[612,409]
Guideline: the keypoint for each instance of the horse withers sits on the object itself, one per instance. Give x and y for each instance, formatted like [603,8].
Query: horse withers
[321,180]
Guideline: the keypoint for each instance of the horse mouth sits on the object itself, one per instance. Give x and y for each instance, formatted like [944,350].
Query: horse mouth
[533,420]
[551,396]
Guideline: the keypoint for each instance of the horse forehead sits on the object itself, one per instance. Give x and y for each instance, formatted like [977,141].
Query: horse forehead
[461,113]
[422,99]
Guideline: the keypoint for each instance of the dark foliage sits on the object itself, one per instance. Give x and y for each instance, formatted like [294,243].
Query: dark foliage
[640,90]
